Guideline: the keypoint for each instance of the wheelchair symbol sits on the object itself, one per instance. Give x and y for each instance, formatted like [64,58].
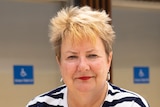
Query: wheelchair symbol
[141,73]
[23,73]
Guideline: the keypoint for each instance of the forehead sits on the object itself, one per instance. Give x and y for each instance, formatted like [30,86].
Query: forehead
[82,43]
[77,39]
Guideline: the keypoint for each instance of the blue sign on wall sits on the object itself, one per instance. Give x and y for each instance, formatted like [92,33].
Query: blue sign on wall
[141,75]
[23,74]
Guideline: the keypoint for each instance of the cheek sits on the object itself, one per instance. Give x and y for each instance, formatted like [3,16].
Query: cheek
[100,69]
[67,69]
[98,65]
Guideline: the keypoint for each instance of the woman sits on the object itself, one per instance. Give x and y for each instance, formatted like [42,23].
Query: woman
[82,39]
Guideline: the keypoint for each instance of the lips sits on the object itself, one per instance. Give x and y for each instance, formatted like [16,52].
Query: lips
[85,78]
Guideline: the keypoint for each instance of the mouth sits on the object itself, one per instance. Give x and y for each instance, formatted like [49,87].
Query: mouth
[84,77]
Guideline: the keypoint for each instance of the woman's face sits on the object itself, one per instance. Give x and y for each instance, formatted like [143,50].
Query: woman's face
[84,67]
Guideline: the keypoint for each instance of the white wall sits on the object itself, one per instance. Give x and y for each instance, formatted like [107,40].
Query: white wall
[137,44]
[24,41]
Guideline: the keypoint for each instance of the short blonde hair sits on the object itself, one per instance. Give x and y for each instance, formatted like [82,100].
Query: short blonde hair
[81,23]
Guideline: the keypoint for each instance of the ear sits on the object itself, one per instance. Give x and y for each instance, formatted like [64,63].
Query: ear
[110,58]
[58,60]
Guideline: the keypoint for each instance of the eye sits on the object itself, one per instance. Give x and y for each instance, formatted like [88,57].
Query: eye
[72,57]
[92,56]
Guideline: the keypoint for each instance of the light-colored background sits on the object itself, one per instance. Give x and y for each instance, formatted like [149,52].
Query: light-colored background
[137,44]
[24,41]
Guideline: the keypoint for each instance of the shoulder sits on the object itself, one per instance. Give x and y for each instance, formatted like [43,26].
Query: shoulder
[124,98]
[51,98]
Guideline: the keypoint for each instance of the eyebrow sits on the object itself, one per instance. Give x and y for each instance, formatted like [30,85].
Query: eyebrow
[74,52]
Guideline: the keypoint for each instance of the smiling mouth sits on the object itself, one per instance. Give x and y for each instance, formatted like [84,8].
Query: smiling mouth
[85,78]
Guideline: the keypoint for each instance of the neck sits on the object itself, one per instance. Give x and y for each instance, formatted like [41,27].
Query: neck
[88,99]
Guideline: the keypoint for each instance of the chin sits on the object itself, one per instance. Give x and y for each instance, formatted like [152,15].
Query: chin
[85,88]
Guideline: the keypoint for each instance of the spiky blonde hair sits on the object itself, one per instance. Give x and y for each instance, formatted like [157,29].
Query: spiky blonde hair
[81,23]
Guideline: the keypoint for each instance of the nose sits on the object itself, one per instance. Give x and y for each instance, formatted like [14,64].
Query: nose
[83,65]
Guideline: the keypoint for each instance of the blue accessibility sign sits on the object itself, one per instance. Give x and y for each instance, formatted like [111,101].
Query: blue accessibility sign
[23,74]
[141,75]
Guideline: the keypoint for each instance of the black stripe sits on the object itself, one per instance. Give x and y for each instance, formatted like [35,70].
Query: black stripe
[121,90]
[139,101]
[125,99]
[117,88]
[43,104]
[52,93]
[111,93]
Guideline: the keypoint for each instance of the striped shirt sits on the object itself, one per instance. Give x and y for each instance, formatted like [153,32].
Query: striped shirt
[116,97]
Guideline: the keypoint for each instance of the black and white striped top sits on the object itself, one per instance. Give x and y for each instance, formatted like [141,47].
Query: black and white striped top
[116,97]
